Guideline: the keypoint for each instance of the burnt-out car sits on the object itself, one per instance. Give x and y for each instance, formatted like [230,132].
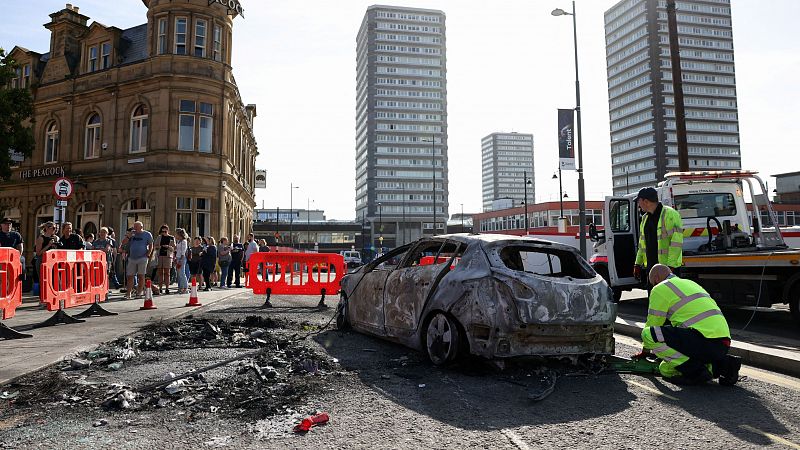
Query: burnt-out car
[494,296]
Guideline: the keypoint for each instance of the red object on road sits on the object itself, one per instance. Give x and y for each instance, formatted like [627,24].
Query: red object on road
[193,300]
[148,296]
[312,421]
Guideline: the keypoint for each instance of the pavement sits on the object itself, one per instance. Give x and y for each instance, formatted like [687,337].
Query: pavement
[778,350]
[52,344]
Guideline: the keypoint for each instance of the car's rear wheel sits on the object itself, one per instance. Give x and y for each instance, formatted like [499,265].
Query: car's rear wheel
[342,322]
[443,339]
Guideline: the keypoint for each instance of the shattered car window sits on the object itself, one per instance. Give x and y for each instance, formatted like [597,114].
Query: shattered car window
[545,261]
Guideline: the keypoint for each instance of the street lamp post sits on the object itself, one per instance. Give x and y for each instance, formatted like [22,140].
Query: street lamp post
[561,195]
[462,217]
[308,221]
[403,187]
[380,225]
[433,171]
[581,189]
[525,183]
[292,187]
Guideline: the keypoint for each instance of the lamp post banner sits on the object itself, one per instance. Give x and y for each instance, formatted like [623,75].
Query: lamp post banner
[566,143]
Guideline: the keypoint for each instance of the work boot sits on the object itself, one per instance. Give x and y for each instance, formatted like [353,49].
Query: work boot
[730,373]
[700,377]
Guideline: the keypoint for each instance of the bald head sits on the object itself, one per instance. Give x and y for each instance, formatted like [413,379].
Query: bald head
[659,273]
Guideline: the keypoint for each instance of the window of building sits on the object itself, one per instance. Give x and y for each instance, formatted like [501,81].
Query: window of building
[162,36]
[186,128]
[92,63]
[139,121]
[206,127]
[200,38]
[26,76]
[51,144]
[105,53]
[91,147]
[183,216]
[180,36]
[16,81]
[217,43]
[135,210]
[195,220]
[193,117]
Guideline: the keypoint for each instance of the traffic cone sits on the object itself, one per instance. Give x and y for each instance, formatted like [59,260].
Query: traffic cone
[148,296]
[193,300]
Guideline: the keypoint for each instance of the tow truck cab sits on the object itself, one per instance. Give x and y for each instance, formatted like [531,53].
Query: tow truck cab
[715,220]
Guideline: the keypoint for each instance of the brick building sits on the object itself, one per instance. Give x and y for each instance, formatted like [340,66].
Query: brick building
[148,122]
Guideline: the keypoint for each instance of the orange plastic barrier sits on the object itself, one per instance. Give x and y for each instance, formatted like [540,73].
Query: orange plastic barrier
[296,274]
[10,281]
[70,278]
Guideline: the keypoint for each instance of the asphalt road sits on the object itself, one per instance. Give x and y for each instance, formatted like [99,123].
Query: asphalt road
[386,396]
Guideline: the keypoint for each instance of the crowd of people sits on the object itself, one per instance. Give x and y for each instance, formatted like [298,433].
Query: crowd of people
[165,259]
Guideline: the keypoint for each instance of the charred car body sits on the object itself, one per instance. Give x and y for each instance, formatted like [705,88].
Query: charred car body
[494,296]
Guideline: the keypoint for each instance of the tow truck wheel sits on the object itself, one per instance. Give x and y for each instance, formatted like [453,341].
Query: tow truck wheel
[443,339]
[794,304]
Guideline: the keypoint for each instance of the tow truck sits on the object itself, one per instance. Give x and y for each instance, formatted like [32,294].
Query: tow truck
[739,258]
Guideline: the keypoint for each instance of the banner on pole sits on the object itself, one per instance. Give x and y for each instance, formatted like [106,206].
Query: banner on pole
[261,179]
[566,143]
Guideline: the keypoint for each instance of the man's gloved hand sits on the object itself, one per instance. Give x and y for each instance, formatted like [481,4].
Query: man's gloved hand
[641,355]
[637,272]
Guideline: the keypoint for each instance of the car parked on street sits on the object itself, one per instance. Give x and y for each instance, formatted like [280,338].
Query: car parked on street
[494,296]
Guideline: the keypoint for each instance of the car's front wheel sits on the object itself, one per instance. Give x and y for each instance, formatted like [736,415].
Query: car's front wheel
[342,322]
[443,339]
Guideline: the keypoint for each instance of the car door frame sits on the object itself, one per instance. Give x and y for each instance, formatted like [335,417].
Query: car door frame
[621,244]
[423,297]
[368,306]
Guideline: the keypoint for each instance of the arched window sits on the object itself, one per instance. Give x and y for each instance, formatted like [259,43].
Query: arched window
[139,129]
[91,146]
[51,144]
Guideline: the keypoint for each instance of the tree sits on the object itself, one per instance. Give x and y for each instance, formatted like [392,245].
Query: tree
[16,112]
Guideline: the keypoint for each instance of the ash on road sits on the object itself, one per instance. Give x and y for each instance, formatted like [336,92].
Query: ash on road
[379,395]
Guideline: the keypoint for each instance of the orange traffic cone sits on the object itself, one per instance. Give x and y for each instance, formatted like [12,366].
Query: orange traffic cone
[148,296]
[193,300]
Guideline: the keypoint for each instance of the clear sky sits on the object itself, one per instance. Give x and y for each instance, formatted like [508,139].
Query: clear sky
[509,64]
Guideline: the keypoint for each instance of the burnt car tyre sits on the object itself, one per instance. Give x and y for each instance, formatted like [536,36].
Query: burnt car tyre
[443,339]
[342,323]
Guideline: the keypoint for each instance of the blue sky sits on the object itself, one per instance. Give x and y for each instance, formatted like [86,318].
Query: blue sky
[509,68]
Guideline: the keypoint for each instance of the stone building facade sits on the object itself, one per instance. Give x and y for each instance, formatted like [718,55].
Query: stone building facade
[147,122]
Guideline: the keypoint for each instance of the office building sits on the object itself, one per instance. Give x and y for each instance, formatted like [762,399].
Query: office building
[641,105]
[401,125]
[506,165]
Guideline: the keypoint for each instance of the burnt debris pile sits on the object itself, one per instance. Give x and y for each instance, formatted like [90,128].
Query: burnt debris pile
[249,368]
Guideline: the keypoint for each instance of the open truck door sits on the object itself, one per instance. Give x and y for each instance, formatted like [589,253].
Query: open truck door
[621,240]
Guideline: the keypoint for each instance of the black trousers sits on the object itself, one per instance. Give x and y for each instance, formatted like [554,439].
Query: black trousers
[236,266]
[207,276]
[698,348]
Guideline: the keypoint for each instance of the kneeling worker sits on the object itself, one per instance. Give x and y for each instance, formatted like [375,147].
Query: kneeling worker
[694,347]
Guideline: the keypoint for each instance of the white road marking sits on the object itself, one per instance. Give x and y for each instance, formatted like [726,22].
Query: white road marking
[770,436]
[515,439]
[649,389]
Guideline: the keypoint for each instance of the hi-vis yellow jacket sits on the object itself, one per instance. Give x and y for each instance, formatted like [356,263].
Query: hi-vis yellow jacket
[670,239]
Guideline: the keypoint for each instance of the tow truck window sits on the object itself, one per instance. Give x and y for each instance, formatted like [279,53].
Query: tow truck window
[620,215]
[715,204]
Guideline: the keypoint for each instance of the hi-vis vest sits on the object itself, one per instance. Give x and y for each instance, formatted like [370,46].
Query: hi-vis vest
[686,305]
[670,239]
